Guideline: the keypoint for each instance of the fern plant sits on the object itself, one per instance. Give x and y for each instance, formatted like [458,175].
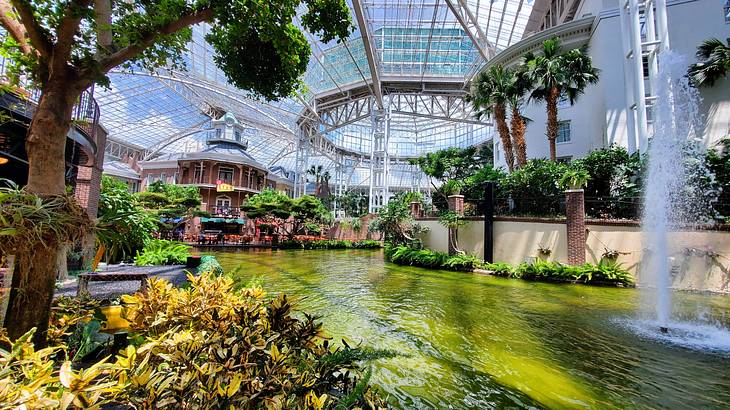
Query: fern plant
[162,252]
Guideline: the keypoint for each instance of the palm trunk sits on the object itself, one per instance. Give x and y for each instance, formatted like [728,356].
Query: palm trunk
[518,137]
[552,121]
[500,117]
[34,276]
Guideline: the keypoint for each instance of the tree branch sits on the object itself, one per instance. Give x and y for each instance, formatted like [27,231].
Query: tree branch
[14,27]
[149,38]
[66,31]
[38,37]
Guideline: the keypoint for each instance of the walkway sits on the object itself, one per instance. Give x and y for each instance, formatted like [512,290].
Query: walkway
[109,290]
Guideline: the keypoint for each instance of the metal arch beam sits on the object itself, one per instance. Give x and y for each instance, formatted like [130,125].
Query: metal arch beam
[469,23]
[369,52]
[155,149]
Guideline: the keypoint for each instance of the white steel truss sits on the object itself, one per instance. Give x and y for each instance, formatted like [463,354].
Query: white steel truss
[642,47]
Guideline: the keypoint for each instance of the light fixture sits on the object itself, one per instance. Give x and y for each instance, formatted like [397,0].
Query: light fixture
[3,160]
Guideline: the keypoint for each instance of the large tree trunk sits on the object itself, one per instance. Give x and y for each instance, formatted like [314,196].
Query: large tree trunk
[500,117]
[35,271]
[552,121]
[518,137]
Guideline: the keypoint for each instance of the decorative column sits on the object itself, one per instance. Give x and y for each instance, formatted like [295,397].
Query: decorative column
[576,226]
[456,205]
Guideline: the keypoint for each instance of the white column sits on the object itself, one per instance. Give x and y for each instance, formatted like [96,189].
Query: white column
[639,92]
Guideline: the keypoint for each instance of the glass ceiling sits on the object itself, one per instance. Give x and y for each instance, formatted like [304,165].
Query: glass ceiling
[419,42]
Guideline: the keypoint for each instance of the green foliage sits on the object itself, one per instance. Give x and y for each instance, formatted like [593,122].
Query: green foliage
[534,187]
[718,161]
[257,45]
[32,379]
[452,220]
[123,226]
[170,201]
[426,258]
[210,347]
[275,208]
[603,273]
[394,222]
[353,203]
[209,265]
[162,252]
[330,244]
[574,179]
[28,221]
[455,163]
[714,62]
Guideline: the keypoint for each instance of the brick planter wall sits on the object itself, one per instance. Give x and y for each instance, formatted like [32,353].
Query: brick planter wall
[576,226]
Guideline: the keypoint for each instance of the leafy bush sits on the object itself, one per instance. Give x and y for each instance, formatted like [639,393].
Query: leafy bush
[330,244]
[162,252]
[463,262]
[209,347]
[32,379]
[603,273]
[209,265]
[534,187]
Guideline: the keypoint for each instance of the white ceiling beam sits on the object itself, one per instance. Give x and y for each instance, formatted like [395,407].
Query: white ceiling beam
[369,51]
[469,23]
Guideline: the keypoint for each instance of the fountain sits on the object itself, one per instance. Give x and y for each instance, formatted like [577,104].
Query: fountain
[678,194]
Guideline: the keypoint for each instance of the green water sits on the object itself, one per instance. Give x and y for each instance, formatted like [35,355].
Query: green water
[470,341]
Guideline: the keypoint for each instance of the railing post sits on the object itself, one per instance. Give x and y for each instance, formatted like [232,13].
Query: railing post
[489,222]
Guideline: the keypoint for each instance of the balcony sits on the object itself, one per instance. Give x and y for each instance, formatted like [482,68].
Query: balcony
[225,212]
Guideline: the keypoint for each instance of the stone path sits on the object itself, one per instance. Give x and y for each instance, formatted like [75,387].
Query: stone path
[109,290]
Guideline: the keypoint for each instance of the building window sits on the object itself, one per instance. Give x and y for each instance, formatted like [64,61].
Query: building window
[222,203]
[218,132]
[163,178]
[225,175]
[563,132]
[237,134]
[563,101]
[726,11]
[564,160]
[198,174]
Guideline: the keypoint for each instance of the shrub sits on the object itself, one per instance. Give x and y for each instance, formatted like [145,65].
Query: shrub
[330,244]
[162,252]
[463,262]
[32,379]
[210,347]
[209,265]
[603,273]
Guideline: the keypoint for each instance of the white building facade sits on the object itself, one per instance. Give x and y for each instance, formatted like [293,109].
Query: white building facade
[606,113]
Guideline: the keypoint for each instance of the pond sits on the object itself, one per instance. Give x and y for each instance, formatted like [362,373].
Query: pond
[471,341]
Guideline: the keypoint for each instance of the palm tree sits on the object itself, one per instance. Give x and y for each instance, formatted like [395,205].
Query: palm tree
[714,62]
[521,84]
[490,95]
[553,74]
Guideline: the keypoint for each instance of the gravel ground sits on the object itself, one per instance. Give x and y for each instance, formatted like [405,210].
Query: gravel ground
[109,290]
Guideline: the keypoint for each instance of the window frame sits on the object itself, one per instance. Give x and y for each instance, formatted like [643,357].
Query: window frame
[227,170]
[570,132]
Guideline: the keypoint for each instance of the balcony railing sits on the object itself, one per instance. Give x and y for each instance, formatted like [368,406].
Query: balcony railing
[225,211]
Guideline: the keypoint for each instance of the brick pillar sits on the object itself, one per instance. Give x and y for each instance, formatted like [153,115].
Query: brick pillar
[576,226]
[415,208]
[456,204]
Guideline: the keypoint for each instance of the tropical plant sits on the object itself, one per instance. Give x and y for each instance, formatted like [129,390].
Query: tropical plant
[490,95]
[123,226]
[162,252]
[354,203]
[209,265]
[290,216]
[394,222]
[714,63]
[555,74]
[603,273]
[32,379]
[426,258]
[534,188]
[175,204]
[519,87]
[574,179]
[31,228]
[64,48]
[211,347]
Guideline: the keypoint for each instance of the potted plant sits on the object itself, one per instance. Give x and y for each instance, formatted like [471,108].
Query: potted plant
[543,251]
[574,179]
